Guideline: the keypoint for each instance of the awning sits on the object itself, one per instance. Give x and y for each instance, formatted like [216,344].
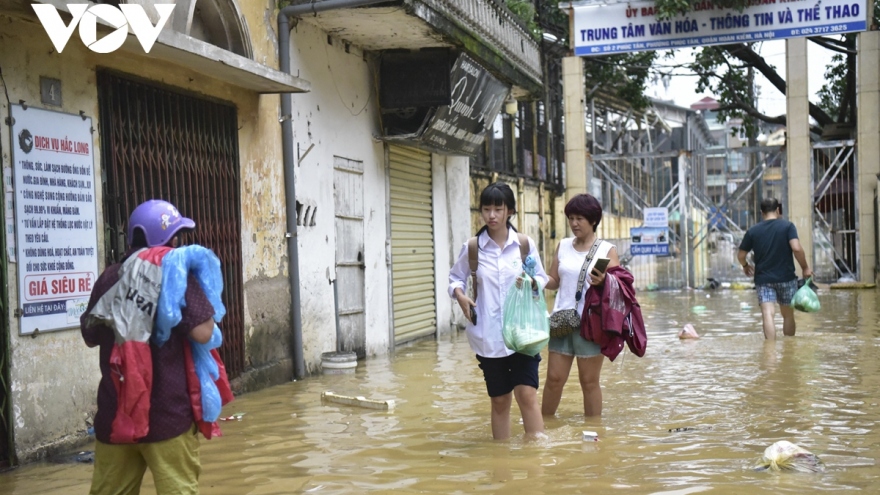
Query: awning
[216,62]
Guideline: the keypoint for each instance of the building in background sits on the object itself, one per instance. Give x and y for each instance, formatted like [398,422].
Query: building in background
[382,185]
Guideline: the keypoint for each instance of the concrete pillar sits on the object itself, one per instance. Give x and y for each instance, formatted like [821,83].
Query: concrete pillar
[684,220]
[798,148]
[576,173]
[868,149]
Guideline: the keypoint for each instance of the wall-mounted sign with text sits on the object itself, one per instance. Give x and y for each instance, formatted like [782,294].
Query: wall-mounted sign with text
[55,217]
[458,127]
[649,240]
[656,217]
[600,29]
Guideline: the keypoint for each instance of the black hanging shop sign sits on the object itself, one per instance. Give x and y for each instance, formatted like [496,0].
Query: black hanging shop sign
[420,108]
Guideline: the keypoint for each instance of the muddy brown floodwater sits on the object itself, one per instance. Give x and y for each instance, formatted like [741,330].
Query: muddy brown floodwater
[729,392]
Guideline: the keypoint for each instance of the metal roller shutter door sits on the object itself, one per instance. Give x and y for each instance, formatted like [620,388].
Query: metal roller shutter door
[412,244]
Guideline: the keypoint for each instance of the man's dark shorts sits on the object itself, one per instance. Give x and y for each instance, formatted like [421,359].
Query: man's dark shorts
[503,374]
[780,292]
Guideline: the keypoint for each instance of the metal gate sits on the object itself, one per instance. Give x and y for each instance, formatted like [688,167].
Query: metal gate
[412,244]
[836,231]
[159,143]
[713,195]
[625,184]
[734,183]
[348,196]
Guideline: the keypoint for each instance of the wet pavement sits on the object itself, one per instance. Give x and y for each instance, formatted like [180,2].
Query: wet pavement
[690,417]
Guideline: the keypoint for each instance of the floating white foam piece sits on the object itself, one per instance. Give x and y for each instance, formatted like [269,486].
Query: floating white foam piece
[360,401]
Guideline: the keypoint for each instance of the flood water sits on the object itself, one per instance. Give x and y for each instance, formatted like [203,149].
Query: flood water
[819,390]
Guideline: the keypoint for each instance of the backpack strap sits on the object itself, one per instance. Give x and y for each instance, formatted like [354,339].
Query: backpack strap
[524,246]
[473,262]
[474,253]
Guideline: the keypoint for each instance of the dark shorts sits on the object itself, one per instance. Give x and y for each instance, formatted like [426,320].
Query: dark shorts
[503,374]
[781,292]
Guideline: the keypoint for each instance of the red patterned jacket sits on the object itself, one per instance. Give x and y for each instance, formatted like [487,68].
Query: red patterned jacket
[612,315]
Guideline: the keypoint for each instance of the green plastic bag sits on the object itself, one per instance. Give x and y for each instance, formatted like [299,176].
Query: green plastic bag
[805,299]
[526,328]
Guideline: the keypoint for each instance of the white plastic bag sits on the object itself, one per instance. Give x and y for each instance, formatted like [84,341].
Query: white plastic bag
[786,456]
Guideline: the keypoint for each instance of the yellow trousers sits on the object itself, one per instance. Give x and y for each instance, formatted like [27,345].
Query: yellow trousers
[174,464]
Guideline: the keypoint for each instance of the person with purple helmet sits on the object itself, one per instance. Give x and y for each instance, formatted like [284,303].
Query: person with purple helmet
[171,448]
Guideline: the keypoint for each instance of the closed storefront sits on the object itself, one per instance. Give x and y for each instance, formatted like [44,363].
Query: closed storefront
[412,244]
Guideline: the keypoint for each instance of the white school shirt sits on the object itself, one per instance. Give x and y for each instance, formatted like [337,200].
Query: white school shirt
[496,273]
[571,262]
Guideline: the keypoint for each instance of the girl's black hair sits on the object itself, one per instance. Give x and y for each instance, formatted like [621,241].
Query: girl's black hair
[497,194]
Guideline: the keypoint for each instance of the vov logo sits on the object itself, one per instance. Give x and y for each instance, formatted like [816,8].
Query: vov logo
[126,16]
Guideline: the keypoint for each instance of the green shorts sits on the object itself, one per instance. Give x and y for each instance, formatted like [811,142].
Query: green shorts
[574,345]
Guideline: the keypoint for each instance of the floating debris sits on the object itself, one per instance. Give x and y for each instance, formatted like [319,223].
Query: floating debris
[235,417]
[786,456]
[358,401]
[688,332]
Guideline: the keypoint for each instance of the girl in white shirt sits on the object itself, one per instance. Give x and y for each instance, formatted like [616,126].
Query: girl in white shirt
[507,374]
[584,213]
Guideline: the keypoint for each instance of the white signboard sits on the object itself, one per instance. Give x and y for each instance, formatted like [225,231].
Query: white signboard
[656,217]
[55,231]
[628,27]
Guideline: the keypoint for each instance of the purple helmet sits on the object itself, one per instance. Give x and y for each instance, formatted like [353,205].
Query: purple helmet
[159,220]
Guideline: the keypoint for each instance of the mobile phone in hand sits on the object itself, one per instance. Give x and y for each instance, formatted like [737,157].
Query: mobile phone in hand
[601,264]
[473,315]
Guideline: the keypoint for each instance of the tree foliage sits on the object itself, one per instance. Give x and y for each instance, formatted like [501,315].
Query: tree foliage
[624,75]
[525,10]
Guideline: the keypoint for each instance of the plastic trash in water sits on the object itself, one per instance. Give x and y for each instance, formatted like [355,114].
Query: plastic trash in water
[689,429]
[688,332]
[590,436]
[235,417]
[786,456]
[698,309]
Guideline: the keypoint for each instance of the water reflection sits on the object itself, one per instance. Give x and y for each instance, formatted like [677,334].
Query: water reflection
[690,417]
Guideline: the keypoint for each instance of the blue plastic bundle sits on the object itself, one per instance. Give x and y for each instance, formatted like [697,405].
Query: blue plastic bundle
[176,267]
[529,265]
[207,371]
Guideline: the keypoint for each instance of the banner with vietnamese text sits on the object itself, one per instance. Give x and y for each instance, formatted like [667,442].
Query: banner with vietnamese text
[601,29]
